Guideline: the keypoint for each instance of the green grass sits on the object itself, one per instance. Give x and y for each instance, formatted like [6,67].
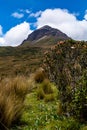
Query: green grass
[47,91]
[41,115]
[38,114]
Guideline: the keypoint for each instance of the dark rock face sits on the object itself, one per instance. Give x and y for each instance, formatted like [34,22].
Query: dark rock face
[46,31]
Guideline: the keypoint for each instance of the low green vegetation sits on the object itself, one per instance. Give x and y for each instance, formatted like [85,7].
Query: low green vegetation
[44,110]
[41,115]
[28,105]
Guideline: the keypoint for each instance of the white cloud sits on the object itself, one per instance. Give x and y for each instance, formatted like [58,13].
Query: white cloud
[17,15]
[63,20]
[36,15]
[2,41]
[25,11]
[1,33]
[85,16]
[15,35]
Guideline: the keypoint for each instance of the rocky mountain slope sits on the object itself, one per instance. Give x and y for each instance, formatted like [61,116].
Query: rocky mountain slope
[45,36]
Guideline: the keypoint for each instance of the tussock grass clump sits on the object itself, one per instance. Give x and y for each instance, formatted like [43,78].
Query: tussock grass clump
[12,94]
[47,91]
[31,82]
[49,97]
[40,93]
[20,86]
[46,86]
[39,76]
[59,108]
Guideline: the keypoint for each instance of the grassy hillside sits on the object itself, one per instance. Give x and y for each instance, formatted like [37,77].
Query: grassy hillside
[42,42]
[24,59]
[19,60]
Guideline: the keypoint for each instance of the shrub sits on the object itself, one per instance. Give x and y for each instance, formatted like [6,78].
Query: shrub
[64,65]
[79,102]
[12,94]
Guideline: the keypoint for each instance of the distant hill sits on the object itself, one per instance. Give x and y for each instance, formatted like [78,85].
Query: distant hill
[20,60]
[45,36]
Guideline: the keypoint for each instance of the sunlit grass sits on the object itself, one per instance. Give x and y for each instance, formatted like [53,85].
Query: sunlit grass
[47,91]
[12,95]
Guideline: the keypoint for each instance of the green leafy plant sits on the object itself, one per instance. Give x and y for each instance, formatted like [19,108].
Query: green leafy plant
[79,102]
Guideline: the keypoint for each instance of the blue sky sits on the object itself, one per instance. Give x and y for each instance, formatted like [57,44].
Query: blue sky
[18,18]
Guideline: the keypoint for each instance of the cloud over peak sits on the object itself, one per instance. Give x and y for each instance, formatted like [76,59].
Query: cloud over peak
[65,21]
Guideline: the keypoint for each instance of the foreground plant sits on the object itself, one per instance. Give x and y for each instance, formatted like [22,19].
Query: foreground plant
[12,95]
[47,91]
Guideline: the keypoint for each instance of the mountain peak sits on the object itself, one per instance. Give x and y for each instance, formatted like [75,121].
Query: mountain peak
[46,34]
[46,27]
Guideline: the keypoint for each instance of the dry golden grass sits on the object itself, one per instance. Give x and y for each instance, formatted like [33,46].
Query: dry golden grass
[39,76]
[12,95]
[46,86]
